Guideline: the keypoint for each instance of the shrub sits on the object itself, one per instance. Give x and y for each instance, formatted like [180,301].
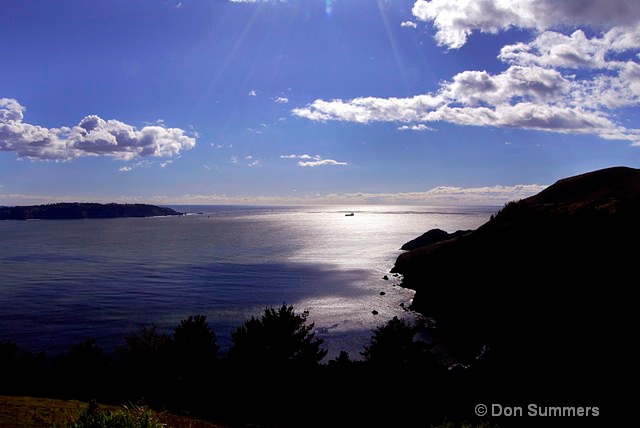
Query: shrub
[85,372]
[194,346]
[394,344]
[146,362]
[279,338]
[20,370]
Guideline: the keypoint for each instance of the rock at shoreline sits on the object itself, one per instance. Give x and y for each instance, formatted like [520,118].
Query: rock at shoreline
[76,210]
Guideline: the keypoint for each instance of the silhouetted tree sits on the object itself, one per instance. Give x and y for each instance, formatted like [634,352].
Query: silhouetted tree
[342,361]
[279,338]
[146,362]
[20,371]
[194,350]
[394,344]
[85,371]
[268,356]
[10,366]
[194,342]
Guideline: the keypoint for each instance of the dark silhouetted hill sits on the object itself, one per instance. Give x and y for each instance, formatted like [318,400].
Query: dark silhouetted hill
[77,210]
[545,285]
[431,237]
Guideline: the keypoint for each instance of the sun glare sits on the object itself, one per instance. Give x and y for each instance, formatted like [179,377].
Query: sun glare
[328,7]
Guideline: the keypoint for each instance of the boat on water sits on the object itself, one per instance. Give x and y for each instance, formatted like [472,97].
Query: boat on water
[349,215]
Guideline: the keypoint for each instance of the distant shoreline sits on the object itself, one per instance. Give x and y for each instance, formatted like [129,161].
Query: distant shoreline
[77,210]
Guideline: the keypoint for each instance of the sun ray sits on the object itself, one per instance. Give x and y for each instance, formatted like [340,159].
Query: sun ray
[230,55]
[394,47]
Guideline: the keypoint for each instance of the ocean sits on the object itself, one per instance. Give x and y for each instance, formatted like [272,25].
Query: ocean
[62,281]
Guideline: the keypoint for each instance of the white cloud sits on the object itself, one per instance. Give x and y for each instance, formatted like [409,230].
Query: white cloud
[125,169]
[553,49]
[253,93]
[526,98]
[371,109]
[528,83]
[419,127]
[282,100]
[234,159]
[305,156]
[454,21]
[93,136]
[323,162]
[254,163]
[306,160]
[565,120]
[616,80]
[409,24]
[539,89]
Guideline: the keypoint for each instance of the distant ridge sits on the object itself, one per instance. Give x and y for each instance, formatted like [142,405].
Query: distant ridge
[598,189]
[543,284]
[78,210]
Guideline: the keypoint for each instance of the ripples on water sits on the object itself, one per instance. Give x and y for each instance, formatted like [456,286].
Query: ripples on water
[65,280]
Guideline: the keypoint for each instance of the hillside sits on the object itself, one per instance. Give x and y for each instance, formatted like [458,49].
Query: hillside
[76,210]
[542,284]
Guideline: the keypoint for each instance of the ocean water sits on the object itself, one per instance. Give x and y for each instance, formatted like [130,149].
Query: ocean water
[62,281]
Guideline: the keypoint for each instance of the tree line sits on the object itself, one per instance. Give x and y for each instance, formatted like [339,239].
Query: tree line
[273,374]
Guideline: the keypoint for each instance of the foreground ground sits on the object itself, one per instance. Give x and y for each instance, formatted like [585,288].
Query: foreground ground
[33,412]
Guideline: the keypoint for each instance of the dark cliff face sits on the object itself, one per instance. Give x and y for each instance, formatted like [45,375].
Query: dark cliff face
[76,210]
[542,279]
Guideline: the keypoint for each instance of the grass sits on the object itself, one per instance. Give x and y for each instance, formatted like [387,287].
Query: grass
[29,412]
[127,417]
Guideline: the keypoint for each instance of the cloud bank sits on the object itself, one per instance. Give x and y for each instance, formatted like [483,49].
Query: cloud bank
[439,196]
[557,82]
[93,136]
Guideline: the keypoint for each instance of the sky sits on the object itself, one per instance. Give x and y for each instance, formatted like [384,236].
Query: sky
[313,101]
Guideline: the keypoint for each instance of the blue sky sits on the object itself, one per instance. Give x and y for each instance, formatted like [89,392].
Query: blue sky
[313,101]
